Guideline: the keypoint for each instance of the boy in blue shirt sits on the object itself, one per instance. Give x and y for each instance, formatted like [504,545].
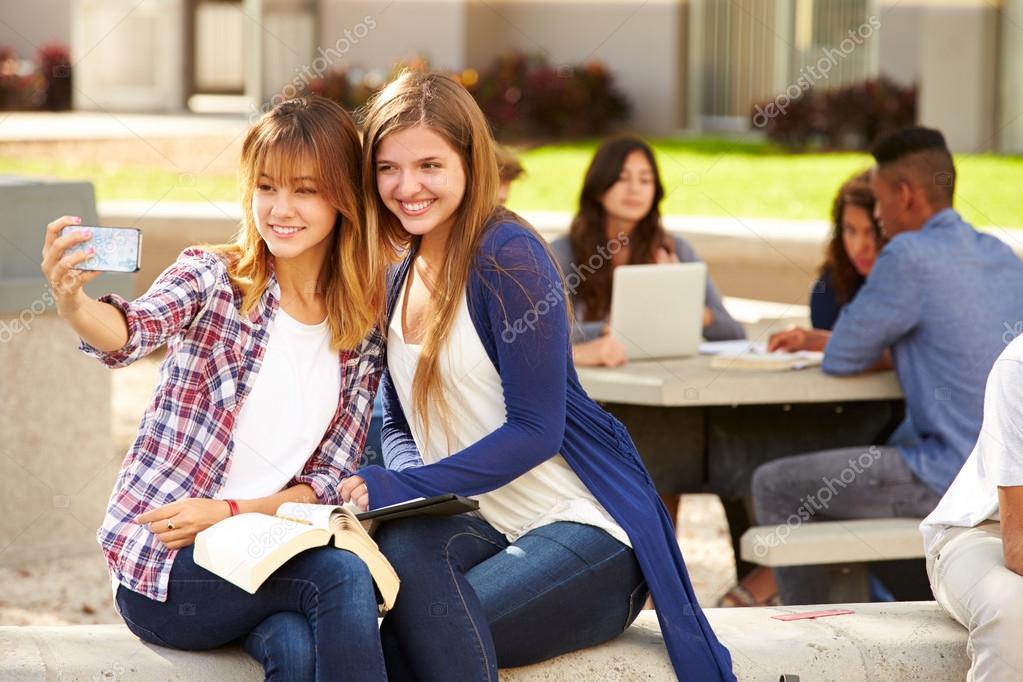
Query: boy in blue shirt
[935,306]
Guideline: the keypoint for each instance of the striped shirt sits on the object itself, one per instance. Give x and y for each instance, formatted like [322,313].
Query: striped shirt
[185,439]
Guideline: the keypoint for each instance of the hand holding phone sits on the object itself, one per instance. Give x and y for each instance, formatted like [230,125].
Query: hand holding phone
[58,267]
[101,325]
[112,249]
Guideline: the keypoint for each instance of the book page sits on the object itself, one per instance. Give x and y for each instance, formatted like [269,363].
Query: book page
[350,535]
[317,515]
[237,548]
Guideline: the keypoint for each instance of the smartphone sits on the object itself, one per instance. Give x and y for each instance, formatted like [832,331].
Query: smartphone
[118,249]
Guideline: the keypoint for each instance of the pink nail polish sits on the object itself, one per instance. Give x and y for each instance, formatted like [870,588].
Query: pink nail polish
[78,221]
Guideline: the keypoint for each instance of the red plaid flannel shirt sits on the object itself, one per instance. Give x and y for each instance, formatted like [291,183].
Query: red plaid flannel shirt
[184,441]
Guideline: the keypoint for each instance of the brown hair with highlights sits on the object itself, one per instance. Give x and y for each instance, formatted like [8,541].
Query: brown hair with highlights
[292,138]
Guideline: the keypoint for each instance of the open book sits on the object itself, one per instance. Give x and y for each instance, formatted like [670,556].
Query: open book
[753,356]
[246,549]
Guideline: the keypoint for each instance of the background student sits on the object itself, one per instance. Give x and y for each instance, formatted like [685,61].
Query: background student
[937,297]
[619,217]
[620,202]
[852,250]
[974,537]
[273,357]
[509,169]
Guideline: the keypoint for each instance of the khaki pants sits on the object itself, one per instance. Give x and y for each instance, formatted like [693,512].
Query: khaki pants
[970,581]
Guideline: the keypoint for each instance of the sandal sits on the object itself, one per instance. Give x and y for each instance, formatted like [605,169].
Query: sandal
[740,596]
[737,596]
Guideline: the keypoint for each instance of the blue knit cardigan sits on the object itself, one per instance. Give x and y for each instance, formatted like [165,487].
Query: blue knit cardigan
[517,306]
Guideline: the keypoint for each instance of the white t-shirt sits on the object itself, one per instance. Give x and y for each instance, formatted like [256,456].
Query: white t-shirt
[548,492]
[291,405]
[996,460]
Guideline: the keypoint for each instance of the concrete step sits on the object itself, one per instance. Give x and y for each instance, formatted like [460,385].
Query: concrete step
[899,641]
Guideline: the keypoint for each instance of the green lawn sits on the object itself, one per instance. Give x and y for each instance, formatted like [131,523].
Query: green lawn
[720,178]
[704,176]
[120,182]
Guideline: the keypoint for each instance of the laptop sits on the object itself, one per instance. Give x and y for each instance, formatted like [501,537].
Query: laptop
[657,310]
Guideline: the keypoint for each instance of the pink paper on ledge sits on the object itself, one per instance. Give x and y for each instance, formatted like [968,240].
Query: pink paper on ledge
[813,614]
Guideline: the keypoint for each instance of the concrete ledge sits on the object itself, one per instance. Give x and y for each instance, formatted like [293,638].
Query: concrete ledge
[767,260]
[834,542]
[901,641]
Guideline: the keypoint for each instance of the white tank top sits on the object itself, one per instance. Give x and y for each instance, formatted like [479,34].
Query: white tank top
[548,492]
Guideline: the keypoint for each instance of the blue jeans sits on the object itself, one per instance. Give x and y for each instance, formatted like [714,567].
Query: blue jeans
[470,602]
[315,618]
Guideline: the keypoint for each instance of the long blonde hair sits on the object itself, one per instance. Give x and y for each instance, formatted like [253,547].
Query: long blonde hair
[316,131]
[445,107]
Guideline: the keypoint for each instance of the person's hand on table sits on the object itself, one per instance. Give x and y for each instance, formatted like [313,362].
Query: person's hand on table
[355,490]
[708,317]
[662,257]
[798,338]
[605,351]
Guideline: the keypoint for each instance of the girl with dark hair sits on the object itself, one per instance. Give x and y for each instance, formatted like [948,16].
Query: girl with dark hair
[619,223]
[481,398]
[856,239]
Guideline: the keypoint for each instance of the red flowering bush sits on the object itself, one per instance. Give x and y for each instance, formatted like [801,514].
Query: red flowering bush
[44,84]
[851,117]
[522,96]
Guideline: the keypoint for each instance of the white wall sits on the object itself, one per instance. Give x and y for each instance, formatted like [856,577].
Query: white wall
[27,25]
[396,30]
[642,44]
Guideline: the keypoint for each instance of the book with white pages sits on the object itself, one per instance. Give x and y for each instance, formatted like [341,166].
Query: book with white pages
[246,549]
[753,356]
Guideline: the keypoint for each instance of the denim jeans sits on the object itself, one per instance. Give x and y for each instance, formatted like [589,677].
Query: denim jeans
[470,602]
[315,618]
[835,485]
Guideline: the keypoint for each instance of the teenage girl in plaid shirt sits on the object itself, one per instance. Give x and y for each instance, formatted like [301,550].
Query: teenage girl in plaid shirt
[265,395]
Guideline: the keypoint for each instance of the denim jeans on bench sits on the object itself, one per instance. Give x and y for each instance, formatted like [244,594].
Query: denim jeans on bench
[470,602]
[314,618]
[835,485]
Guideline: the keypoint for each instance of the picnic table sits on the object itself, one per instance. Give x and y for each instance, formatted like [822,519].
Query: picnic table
[701,429]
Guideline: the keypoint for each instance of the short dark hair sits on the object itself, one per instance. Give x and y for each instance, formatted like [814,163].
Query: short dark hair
[508,165]
[920,154]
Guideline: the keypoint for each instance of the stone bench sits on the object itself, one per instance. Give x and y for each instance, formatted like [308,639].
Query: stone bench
[847,546]
[896,641]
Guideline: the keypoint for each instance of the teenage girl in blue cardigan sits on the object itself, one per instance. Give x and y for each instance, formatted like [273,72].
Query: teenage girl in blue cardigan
[481,398]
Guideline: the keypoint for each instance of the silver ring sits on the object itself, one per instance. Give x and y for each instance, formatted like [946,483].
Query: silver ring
[170,525]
